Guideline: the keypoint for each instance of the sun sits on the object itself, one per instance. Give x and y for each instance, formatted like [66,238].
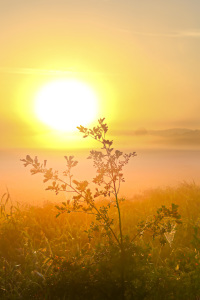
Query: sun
[66,104]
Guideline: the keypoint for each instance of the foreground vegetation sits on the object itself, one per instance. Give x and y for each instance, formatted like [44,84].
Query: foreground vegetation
[96,245]
[44,257]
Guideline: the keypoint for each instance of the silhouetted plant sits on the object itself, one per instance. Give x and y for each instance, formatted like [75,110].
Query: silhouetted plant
[109,164]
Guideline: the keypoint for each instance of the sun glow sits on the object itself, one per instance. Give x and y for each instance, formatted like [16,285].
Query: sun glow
[65,104]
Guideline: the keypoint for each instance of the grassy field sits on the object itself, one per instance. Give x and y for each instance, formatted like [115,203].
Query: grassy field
[44,257]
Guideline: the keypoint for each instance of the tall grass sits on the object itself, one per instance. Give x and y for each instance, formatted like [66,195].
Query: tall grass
[44,257]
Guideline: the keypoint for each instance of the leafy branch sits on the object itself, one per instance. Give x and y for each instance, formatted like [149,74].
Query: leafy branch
[108,164]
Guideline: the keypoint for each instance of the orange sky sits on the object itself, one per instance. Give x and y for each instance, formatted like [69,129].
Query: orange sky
[142,59]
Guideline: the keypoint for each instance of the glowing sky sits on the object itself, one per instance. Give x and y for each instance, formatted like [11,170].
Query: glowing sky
[141,57]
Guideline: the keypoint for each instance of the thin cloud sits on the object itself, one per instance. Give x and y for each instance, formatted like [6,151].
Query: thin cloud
[32,71]
[178,34]
[195,34]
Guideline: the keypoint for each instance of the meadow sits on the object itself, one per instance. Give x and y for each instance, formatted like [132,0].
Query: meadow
[44,257]
[97,245]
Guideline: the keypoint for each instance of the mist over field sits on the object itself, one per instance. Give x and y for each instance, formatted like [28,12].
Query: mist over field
[151,168]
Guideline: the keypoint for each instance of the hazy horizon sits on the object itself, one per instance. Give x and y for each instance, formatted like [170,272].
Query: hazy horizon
[68,63]
[150,169]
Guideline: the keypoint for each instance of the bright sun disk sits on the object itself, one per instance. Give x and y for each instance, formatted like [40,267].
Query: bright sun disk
[66,104]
